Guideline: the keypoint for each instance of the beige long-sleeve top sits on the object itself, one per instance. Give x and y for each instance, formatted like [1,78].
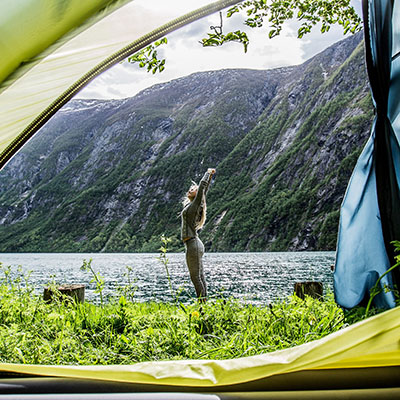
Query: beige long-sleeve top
[192,211]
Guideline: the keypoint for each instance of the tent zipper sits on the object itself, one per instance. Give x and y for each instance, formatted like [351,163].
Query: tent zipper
[125,52]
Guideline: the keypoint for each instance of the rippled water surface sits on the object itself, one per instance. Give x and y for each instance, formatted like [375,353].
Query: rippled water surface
[256,277]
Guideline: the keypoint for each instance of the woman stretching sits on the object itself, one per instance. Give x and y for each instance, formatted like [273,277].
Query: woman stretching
[193,217]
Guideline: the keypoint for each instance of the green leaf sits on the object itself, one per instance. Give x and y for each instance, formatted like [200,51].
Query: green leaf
[122,301]
[272,33]
[124,339]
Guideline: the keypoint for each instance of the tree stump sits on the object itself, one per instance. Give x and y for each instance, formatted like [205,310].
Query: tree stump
[65,292]
[312,289]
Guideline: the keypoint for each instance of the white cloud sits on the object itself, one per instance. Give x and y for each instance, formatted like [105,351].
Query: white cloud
[185,55]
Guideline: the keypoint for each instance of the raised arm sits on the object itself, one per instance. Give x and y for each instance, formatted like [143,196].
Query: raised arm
[203,186]
[211,172]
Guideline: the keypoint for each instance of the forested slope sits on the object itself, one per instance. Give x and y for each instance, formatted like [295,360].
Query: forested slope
[109,175]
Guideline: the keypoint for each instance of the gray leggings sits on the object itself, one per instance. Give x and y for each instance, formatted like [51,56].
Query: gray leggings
[194,254]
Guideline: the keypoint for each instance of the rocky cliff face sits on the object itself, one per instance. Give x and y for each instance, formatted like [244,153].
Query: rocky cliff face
[109,175]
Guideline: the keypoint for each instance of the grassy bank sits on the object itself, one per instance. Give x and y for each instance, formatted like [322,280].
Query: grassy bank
[122,331]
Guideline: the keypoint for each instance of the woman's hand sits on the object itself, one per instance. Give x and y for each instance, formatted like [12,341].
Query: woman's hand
[211,171]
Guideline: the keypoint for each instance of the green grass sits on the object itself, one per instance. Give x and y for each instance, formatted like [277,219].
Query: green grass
[122,332]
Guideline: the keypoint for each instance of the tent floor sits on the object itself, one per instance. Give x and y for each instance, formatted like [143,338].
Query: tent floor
[349,383]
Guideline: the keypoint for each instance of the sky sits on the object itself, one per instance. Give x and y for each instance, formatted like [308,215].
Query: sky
[185,55]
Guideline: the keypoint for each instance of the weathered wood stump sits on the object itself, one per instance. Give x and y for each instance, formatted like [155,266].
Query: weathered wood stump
[312,289]
[65,292]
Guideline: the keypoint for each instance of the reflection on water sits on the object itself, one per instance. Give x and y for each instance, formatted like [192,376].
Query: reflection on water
[256,277]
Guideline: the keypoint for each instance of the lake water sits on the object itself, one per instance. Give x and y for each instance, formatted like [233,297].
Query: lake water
[259,278]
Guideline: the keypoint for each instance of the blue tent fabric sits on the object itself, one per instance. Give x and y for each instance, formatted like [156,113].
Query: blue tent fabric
[370,213]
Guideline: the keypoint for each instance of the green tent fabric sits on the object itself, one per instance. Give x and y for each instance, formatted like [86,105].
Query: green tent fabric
[39,25]
[62,46]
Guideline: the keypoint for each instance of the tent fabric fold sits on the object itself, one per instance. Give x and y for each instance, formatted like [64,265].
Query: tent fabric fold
[368,344]
[40,24]
[370,212]
[44,83]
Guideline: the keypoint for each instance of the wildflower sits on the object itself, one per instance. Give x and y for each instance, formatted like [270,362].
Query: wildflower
[195,314]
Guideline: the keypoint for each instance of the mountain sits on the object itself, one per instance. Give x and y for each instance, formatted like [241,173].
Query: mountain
[110,175]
